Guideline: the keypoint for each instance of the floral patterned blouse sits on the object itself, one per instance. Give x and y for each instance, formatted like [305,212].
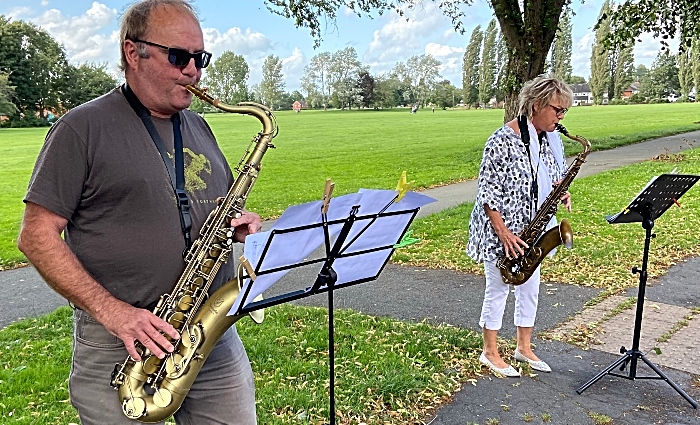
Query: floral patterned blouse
[505,184]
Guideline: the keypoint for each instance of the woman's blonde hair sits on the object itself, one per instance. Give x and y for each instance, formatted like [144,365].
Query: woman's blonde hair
[540,91]
[134,23]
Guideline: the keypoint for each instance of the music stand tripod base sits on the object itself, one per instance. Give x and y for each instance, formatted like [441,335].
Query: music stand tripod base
[654,200]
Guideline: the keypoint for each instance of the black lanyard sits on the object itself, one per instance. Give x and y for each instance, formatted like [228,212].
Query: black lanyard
[177,173]
[525,136]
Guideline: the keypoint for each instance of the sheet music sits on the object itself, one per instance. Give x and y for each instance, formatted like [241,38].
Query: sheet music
[290,248]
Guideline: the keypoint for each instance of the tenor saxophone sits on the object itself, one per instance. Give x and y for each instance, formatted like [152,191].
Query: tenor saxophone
[518,270]
[152,389]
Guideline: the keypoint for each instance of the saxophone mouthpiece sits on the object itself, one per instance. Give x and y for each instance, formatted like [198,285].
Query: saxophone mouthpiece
[560,128]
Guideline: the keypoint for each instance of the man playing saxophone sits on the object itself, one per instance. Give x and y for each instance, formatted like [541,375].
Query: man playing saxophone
[522,162]
[103,179]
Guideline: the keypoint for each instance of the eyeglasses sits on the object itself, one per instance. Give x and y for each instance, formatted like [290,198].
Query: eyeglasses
[560,111]
[180,57]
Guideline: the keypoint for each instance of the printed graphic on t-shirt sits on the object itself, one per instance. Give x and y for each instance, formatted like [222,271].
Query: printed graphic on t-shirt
[195,166]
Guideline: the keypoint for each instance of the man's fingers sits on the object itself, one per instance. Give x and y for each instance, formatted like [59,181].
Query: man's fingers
[131,349]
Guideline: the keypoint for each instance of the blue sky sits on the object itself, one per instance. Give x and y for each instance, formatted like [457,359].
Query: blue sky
[89,32]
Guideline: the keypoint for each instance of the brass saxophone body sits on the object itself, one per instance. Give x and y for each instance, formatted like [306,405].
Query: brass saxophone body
[517,271]
[152,389]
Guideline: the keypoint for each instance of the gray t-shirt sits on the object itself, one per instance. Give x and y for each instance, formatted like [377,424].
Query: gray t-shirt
[100,169]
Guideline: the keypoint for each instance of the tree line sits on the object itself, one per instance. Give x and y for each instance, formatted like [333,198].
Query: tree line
[35,76]
[613,70]
[36,80]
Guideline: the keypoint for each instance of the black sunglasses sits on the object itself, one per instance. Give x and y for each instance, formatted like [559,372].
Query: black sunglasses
[180,57]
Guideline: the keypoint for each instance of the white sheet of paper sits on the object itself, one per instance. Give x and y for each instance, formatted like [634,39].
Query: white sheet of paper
[291,248]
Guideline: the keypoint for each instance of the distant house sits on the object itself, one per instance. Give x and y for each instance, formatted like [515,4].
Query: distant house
[582,94]
[297,106]
[632,89]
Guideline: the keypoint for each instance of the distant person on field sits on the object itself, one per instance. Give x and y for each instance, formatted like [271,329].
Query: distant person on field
[515,177]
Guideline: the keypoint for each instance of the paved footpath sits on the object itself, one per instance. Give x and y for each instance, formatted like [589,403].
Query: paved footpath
[671,315]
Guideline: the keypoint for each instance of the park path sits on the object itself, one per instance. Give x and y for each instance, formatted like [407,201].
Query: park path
[445,296]
[31,296]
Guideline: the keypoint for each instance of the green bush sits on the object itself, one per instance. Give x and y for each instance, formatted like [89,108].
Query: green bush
[618,102]
[637,98]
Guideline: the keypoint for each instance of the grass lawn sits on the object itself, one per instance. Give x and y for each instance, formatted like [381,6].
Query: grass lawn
[603,254]
[389,372]
[357,149]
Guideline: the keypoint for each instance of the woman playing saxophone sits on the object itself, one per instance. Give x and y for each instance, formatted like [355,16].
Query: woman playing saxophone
[522,162]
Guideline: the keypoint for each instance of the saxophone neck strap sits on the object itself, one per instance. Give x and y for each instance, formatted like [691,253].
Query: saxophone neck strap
[525,137]
[177,172]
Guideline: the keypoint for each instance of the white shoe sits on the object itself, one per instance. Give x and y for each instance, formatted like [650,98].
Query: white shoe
[537,365]
[506,371]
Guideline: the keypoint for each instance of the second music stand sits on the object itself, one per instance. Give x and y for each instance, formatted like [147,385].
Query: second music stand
[659,195]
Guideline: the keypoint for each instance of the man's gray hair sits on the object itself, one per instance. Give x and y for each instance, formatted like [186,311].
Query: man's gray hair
[134,23]
[541,91]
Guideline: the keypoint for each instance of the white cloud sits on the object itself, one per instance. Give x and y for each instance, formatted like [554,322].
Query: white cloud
[234,39]
[81,35]
[450,59]
[645,51]
[293,68]
[401,37]
[16,13]
[581,56]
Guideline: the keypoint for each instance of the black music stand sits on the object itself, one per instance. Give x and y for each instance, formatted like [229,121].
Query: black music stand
[351,244]
[660,194]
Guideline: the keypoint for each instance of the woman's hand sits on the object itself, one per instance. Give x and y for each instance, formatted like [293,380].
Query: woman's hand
[512,244]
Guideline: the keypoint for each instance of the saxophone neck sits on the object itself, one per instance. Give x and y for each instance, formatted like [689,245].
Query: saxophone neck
[582,140]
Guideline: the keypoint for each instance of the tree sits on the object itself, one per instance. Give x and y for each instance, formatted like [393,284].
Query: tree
[365,84]
[501,64]
[640,71]
[470,67]
[419,75]
[7,92]
[85,82]
[386,91]
[662,79]
[624,70]
[315,80]
[35,64]
[227,78]
[560,64]
[343,72]
[577,79]
[528,26]
[695,57]
[663,18]
[272,83]
[600,71]
[487,70]
[685,73]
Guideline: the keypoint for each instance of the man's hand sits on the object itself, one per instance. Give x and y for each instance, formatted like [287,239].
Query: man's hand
[132,324]
[247,224]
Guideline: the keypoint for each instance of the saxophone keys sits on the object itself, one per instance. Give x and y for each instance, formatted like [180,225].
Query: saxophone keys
[134,408]
[174,365]
[162,398]
[151,365]
[185,303]
[207,265]
[215,250]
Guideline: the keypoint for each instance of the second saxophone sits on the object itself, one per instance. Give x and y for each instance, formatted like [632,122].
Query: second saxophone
[516,271]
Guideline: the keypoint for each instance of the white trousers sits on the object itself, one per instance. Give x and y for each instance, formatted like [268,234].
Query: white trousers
[496,294]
